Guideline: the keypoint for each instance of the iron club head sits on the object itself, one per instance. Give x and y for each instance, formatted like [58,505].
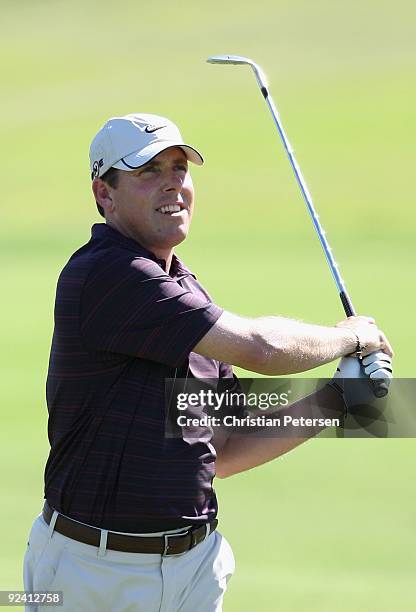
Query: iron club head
[239,60]
[229,59]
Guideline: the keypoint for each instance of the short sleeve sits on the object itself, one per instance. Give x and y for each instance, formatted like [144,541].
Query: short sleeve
[131,306]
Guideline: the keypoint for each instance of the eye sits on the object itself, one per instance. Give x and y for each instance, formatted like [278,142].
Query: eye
[151,169]
[181,167]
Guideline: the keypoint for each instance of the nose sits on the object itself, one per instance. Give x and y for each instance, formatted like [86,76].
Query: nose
[173,182]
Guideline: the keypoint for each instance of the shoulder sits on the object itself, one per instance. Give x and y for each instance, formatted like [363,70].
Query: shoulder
[110,265]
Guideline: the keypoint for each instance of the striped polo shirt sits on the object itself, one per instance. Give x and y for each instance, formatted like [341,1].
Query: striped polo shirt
[122,326]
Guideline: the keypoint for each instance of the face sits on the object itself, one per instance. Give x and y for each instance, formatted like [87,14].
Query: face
[153,204]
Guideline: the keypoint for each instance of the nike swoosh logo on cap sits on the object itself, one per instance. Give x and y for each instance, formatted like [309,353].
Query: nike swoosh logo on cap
[152,128]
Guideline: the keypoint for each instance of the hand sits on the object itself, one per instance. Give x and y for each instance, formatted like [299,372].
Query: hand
[376,365]
[366,331]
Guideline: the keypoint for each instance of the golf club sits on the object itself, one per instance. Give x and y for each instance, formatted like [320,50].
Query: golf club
[379,386]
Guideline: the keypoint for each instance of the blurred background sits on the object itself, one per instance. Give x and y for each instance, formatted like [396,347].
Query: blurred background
[331,525]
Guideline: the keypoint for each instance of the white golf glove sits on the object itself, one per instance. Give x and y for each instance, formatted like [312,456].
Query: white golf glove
[374,366]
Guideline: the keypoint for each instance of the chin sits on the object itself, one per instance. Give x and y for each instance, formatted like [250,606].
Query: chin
[176,238]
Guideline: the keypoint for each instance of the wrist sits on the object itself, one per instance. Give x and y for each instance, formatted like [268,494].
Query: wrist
[359,348]
[351,342]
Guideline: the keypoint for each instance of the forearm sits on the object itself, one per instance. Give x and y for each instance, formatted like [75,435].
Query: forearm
[289,346]
[243,452]
[277,346]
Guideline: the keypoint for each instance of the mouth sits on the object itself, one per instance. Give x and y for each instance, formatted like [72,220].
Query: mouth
[171,209]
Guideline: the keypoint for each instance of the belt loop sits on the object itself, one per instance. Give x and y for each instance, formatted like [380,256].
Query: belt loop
[51,527]
[166,545]
[103,543]
[207,530]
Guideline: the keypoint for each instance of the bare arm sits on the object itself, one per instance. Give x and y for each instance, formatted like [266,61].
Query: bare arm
[278,346]
[240,452]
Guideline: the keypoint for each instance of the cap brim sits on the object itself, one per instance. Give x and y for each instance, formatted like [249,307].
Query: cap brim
[138,159]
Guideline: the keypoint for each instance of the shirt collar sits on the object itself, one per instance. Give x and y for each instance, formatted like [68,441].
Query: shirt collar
[102,231]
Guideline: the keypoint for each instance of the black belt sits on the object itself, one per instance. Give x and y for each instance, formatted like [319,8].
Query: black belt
[168,544]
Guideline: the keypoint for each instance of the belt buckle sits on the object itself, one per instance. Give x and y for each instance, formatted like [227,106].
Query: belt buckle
[171,535]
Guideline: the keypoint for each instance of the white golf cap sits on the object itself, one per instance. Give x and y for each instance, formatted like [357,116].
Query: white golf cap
[131,141]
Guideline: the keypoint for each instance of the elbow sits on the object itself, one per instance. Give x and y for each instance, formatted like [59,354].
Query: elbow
[220,474]
[222,470]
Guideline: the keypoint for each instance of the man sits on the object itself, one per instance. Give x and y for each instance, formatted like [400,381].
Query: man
[129,521]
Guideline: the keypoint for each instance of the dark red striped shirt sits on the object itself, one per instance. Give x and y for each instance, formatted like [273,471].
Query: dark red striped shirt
[122,326]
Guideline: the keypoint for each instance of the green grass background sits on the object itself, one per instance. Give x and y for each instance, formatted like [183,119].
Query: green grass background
[331,525]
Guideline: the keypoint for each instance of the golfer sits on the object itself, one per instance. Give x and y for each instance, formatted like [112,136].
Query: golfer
[130,514]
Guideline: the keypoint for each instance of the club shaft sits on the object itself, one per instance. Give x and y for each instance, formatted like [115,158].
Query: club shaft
[345,298]
[380,389]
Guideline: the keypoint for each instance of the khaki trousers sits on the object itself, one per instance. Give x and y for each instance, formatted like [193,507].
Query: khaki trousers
[110,581]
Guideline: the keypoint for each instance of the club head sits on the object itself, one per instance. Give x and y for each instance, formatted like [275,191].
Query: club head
[239,60]
[229,59]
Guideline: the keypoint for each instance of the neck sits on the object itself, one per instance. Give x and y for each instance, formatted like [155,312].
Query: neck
[165,255]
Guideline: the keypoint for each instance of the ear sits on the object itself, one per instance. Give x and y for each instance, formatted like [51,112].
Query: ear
[102,193]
